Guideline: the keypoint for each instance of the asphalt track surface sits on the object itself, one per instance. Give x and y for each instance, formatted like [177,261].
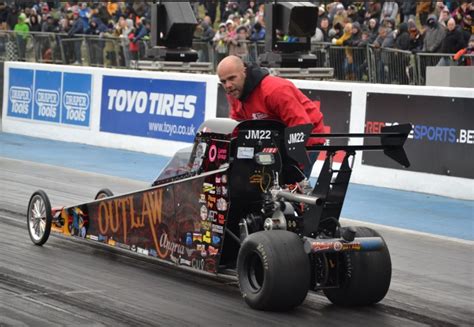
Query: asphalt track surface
[75,282]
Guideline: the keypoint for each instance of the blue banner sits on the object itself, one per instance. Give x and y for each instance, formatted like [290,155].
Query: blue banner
[76,99]
[20,94]
[55,97]
[164,109]
[47,96]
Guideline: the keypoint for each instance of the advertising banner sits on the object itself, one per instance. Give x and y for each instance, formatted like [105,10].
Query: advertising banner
[20,94]
[47,96]
[50,96]
[163,109]
[442,139]
[76,99]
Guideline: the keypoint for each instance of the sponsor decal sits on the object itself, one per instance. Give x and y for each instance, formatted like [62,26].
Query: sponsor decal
[220,219]
[203,212]
[206,238]
[245,152]
[216,240]
[143,251]
[197,237]
[221,204]
[217,229]
[94,237]
[337,246]
[270,150]
[212,250]
[208,188]
[212,216]
[111,242]
[184,262]
[188,239]
[167,247]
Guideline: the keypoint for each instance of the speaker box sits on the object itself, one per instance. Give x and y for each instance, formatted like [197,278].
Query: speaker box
[173,24]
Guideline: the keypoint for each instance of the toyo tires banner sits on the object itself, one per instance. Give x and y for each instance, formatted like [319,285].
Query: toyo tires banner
[442,139]
[156,108]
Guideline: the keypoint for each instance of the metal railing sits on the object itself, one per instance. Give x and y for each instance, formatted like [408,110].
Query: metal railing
[362,64]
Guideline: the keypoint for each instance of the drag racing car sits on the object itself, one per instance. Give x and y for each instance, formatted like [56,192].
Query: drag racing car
[237,202]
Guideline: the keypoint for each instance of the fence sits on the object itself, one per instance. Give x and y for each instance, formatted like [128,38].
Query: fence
[362,64]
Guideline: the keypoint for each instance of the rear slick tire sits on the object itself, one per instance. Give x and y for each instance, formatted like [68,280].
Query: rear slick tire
[365,276]
[273,270]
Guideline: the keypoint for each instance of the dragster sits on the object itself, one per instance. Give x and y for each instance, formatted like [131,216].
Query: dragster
[236,202]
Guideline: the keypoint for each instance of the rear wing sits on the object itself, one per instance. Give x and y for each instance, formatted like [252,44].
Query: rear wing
[391,140]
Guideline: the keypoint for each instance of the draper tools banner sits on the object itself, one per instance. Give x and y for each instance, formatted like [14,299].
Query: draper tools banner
[442,139]
[54,97]
[163,109]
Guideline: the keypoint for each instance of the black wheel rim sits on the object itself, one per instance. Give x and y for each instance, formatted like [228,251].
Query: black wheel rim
[255,272]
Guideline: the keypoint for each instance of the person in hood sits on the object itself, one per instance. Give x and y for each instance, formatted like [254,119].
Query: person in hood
[22,30]
[434,35]
[402,41]
[254,94]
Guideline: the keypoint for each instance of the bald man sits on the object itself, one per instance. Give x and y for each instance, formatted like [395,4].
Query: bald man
[254,94]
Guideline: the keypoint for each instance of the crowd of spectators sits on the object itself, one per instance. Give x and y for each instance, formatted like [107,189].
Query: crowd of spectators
[229,26]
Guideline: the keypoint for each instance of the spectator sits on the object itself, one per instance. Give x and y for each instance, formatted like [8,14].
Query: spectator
[22,30]
[257,33]
[374,11]
[143,29]
[356,36]
[220,44]
[238,44]
[49,25]
[469,50]
[77,28]
[34,24]
[133,47]
[434,35]
[453,42]
[408,10]
[402,41]
[345,37]
[352,13]
[416,38]
[340,16]
[467,28]
[462,11]
[12,16]
[389,10]
[322,32]
[3,15]
[207,32]
[373,30]
[423,9]
[444,16]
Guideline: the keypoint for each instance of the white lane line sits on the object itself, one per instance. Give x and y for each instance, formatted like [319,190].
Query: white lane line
[408,231]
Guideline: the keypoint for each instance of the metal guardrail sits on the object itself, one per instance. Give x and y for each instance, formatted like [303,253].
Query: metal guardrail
[362,64]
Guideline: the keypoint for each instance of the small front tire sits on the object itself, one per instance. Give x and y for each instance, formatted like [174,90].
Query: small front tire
[39,217]
[103,193]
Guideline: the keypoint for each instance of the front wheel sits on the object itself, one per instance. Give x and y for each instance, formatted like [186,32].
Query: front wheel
[103,193]
[365,276]
[39,217]
[273,270]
